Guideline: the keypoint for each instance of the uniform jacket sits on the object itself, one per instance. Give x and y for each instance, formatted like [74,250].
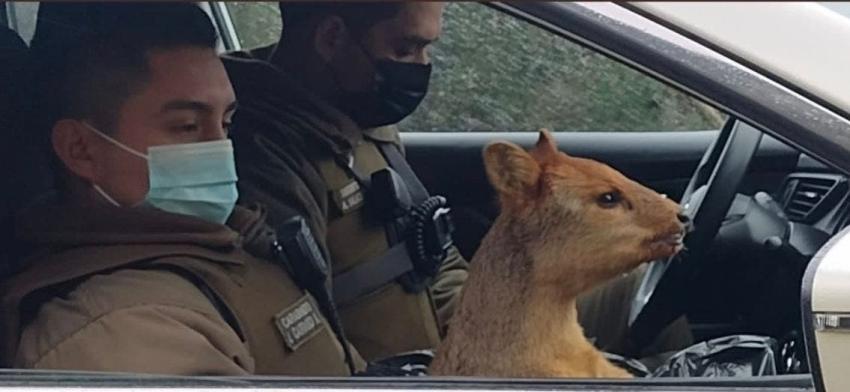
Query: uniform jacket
[145,291]
[291,148]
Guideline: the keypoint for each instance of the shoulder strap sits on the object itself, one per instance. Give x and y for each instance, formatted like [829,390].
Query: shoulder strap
[372,275]
[392,153]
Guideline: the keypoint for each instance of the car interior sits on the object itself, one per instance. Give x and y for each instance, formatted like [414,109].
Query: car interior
[762,208]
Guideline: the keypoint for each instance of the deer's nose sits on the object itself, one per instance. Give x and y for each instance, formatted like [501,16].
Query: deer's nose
[684,218]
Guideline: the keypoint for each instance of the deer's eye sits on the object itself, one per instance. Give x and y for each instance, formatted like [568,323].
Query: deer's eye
[609,199]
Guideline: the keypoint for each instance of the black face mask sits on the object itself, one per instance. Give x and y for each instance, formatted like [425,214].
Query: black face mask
[397,91]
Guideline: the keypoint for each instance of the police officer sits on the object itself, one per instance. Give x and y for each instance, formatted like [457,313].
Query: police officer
[316,133]
[141,263]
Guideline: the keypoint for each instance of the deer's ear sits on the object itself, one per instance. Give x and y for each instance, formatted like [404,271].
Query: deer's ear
[546,148]
[511,169]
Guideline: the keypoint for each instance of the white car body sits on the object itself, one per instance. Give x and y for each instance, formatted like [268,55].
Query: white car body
[797,41]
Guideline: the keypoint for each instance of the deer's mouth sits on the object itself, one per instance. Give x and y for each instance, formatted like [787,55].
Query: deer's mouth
[676,239]
[670,242]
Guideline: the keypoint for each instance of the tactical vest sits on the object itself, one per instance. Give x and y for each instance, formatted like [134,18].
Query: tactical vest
[357,240]
[257,298]
[381,315]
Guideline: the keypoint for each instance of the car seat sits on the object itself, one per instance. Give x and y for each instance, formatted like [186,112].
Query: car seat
[28,78]
[13,55]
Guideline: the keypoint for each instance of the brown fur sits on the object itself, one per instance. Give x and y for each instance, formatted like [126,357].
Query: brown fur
[553,240]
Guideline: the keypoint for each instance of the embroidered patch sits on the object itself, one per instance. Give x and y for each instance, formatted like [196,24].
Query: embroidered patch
[348,197]
[299,323]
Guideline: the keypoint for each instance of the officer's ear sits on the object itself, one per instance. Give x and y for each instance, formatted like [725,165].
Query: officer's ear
[329,37]
[511,170]
[73,145]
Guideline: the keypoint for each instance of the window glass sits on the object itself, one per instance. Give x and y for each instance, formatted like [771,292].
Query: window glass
[22,17]
[494,72]
[257,23]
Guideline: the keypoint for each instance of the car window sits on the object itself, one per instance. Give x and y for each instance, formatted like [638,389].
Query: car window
[495,72]
[21,17]
[256,24]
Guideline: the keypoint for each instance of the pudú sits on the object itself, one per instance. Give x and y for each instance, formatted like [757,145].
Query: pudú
[566,225]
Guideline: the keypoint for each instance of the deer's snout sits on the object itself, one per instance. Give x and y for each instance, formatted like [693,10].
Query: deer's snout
[685,220]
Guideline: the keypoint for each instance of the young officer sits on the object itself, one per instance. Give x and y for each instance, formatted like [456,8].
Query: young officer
[141,263]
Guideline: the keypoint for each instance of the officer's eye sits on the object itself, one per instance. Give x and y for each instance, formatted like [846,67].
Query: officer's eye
[609,199]
[405,52]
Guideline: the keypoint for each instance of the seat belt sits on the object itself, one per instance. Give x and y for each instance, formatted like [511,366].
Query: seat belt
[368,277]
[392,154]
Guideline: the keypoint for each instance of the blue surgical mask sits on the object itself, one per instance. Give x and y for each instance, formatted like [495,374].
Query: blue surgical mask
[196,179]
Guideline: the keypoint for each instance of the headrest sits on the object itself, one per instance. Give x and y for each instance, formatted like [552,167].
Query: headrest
[11,44]
[13,52]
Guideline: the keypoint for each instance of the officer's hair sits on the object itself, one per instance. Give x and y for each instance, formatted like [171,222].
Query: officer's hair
[358,16]
[93,67]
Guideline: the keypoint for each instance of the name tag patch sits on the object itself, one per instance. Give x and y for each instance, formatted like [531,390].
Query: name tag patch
[348,197]
[299,323]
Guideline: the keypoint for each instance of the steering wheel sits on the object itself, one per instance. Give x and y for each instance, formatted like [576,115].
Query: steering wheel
[660,299]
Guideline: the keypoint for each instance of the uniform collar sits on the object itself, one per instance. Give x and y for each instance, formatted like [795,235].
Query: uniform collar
[56,223]
[385,134]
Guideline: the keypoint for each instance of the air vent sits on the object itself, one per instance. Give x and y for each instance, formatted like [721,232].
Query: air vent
[807,197]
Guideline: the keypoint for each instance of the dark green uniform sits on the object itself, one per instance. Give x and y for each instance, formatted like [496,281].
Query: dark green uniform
[292,150]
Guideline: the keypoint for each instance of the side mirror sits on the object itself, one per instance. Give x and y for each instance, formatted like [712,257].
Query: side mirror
[826,314]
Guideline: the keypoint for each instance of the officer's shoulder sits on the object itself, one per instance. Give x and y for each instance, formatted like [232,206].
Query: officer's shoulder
[127,288]
[128,301]
[384,134]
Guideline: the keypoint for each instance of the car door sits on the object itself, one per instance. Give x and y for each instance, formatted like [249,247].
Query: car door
[826,314]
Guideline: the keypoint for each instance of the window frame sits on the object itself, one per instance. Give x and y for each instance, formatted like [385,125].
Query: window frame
[224,24]
[35,380]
